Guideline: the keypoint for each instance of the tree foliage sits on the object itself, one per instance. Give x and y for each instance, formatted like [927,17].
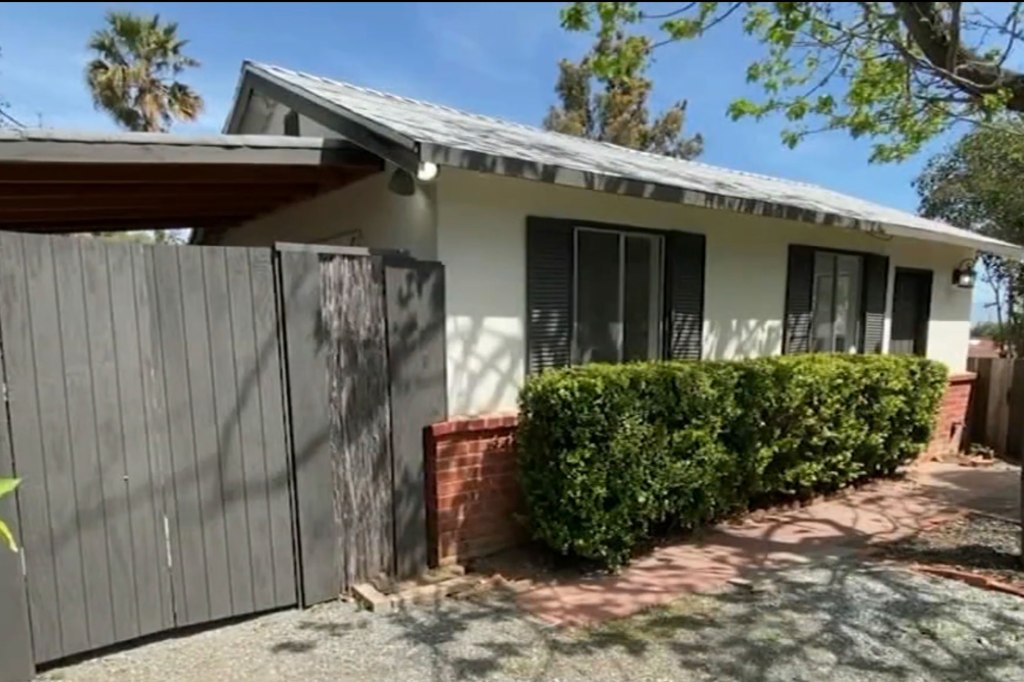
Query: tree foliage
[976,185]
[134,74]
[898,73]
[613,107]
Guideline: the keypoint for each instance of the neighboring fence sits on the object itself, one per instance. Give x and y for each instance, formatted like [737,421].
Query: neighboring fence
[997,406]
[206,432]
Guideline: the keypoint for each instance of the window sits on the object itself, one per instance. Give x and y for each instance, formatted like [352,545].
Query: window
[836,310]
[618,289]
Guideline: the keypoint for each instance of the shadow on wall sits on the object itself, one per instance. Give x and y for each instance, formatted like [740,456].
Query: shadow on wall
[485,365]
[734,339]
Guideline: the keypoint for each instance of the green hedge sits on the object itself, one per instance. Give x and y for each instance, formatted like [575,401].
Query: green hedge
[611,454]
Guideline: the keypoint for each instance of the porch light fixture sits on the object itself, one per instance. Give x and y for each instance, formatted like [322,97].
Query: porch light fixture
[427,172]
[963,274]
[401,183]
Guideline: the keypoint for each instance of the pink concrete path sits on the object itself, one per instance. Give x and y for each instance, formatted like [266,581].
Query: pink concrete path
[880,511]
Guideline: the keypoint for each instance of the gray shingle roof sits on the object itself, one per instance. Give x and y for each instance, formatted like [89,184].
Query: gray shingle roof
[452,137]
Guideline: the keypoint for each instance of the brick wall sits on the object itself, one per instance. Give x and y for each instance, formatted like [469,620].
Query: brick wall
[952,418]
[472,488]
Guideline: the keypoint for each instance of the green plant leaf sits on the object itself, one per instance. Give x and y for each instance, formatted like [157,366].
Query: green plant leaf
[7,485]
[7,537]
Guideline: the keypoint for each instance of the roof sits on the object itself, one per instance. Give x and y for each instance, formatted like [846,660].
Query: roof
[69,181]
[447,136]
[43,145]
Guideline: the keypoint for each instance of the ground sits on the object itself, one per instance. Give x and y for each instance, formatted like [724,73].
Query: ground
[817,606]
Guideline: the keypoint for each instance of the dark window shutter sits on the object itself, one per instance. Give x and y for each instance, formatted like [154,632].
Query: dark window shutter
[549,270]
[799,284]
[684,299]
[876,284]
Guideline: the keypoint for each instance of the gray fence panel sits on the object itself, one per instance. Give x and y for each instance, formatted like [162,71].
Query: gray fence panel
[91,508]
[87,478]
[206,466]
[232,525]
[144,425]
[320,552]
[15,633]
[59,467]
[103,348]
[16,270]
[416,362]
[269,394]
[352,305]
[191,592]
[226,407]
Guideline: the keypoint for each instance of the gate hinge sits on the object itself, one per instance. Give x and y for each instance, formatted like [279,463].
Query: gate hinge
[167,540]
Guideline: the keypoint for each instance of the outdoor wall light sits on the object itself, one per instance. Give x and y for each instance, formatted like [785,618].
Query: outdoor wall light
[427,172]
[963,274]
[401,183]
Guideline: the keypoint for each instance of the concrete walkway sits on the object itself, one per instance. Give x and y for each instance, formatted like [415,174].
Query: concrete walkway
[878,512]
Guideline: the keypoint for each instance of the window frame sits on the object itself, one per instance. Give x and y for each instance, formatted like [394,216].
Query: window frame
[658,240]
[862,326]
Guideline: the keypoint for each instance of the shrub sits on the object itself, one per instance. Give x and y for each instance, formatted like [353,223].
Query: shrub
[609,454]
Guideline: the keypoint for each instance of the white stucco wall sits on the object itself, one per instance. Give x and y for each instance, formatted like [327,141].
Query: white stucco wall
[481,239]
[364,213]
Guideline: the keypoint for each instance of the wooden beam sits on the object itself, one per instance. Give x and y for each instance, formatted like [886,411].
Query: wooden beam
[177,174]
[57,191]
[183,213]
[184,203]
[153,150]
[126,224]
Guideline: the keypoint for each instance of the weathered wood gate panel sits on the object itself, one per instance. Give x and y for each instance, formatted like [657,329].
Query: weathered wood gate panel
[365,348]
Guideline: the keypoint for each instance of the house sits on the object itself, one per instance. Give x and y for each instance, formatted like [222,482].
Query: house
[560,250]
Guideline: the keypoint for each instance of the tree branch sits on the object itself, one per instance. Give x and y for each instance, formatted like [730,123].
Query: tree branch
[976,76]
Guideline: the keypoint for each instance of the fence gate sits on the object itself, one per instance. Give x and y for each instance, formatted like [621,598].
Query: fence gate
[146,415]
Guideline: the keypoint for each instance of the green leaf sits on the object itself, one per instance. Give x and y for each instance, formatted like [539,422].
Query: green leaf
[7,485]
[7,538]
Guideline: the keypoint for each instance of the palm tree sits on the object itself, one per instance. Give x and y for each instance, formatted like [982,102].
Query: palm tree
[133,76]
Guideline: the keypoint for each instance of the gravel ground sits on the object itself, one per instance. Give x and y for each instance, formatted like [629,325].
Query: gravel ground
[843,621]
[976,542]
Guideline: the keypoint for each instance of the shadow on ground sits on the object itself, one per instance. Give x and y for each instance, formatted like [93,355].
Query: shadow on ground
[836,621]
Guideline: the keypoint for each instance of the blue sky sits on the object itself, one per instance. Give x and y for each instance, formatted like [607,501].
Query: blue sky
[493,58]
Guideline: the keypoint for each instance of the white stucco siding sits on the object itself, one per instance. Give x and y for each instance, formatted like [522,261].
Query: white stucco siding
[365,213]
[481,239]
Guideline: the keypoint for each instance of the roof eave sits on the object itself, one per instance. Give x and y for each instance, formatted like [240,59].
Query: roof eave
[602,182]
[369,135]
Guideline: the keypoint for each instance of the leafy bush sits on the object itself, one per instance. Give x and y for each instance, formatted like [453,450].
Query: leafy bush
[610,454]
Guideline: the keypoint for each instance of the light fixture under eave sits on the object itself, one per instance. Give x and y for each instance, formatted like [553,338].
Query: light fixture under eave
[963,274]
[402,183]
[427,172]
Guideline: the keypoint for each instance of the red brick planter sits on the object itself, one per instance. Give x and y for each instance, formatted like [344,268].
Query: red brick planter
[951,421]
[472,488]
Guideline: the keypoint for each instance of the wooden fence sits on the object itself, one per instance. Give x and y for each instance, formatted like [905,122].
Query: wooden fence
[206,432]
[996,418]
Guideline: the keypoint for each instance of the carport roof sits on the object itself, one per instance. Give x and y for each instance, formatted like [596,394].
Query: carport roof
[72,181]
